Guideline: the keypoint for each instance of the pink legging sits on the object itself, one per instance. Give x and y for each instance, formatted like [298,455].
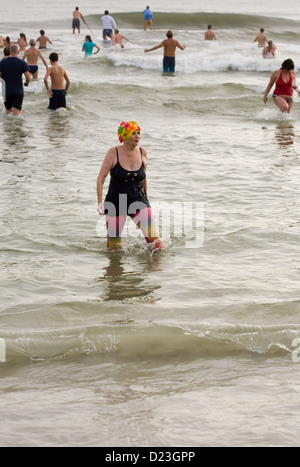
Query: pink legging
[144,221]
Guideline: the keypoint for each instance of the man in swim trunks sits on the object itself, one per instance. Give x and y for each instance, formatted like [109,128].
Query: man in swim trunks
[169,46]
[77,16]
[285,79]
[148,19]
[57,93]
[32,56]
[43,40]
[261,38]
[12,69]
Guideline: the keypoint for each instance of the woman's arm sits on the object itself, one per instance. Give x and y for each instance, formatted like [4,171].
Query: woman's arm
[107,165]
[270,85]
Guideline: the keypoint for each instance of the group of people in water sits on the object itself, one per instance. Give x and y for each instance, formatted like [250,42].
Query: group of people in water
[283,78]
[126,163]
[268,47]
[12,69]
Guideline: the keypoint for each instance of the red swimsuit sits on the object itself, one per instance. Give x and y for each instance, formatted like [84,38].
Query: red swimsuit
[282,88]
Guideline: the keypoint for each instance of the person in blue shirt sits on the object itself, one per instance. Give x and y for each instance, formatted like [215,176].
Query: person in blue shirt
[88,47]
[148,17]
[12,69]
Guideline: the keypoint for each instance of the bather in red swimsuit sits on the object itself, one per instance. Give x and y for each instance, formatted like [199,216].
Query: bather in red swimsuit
[282,88]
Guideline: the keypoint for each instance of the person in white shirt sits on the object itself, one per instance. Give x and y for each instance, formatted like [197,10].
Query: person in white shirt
[109,25]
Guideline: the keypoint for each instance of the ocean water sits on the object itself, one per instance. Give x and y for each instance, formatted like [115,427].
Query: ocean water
[196,345]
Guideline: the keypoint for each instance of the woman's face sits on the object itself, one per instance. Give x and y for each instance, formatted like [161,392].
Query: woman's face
[135,138]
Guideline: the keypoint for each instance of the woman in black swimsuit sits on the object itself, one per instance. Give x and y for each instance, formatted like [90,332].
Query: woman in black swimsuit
[127,193]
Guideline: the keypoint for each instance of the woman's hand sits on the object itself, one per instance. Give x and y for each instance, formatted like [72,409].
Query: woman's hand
[100,209]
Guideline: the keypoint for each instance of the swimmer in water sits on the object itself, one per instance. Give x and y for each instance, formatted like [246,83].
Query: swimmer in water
[118,38]
[269,51]
[32,56]
[285,80]
[169,46]
[77,16]
[261,38]
[210,35]
[22,42]
[58,76]
[127,193]
[88,47]
[43,40]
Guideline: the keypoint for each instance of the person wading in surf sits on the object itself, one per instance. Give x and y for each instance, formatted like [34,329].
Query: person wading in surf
[58,76]
[269,51]
[285,79]
[32,56]
[210,35]
[261,38]
[77,16]
[127,193]
[169,46]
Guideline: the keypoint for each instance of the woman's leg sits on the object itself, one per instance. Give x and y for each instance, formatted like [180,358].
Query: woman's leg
[283,105]
[145,221]
[115,226]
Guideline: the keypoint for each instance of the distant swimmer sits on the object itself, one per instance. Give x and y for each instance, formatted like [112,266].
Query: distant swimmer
[108,24]
[210,34]
[88,47]
[285,80]
[43,40]
[7,42]
[32,56]
[169,46]
[261,38]
[22,42]
[12,69]
[269,51]
[148,19]
[118,38]
[57,93]
[77,16]
[6,53]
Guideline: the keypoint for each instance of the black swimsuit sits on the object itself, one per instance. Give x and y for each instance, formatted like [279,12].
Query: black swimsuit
[126,187]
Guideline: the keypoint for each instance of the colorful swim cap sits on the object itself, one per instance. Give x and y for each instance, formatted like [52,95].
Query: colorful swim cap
[126,129]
